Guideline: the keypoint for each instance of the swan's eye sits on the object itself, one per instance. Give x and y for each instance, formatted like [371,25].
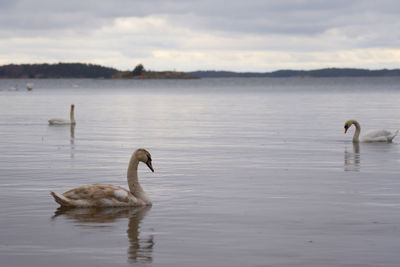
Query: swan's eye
[149,158]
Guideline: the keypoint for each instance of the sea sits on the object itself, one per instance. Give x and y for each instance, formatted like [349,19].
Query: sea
[248,172]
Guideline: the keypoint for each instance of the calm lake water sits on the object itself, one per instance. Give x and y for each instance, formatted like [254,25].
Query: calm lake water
[248,172]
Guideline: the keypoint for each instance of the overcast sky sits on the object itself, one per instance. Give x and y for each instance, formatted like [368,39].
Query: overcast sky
[186,35]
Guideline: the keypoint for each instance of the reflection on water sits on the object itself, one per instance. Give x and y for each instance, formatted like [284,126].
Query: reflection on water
[140,244]
[60,129]
[352,159]
[140,249]
[72,131]
[72,140]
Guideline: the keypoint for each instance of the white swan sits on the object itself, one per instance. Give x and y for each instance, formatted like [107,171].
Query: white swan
[372,136]
[29,86]
[64,121]
[106,195]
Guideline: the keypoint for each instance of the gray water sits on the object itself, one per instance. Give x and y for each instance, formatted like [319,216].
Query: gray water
[248,172]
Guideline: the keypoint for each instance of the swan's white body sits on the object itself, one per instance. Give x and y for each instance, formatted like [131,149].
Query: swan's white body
[13,88]
[378,136]
[71,120]
[371,136]
[106,195]
[29,86]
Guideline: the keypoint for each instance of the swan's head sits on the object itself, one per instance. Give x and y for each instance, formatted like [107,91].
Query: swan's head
[72,106]
[347,125]
[144,156]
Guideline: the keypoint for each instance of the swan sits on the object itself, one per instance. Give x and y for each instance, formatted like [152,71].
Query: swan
[13,88]
[106,195]
[29,86]
[64,121]
[372,136]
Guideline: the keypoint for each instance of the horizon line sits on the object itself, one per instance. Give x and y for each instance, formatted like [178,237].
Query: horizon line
[210,70]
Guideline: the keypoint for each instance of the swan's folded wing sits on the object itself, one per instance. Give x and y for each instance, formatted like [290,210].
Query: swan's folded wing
[378,133]
[99,195]
[377,136]
[97,191]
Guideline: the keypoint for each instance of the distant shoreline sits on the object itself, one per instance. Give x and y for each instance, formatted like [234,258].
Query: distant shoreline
[319,73]
[82,70]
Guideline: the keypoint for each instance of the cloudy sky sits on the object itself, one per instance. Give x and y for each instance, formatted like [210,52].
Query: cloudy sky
[187,35]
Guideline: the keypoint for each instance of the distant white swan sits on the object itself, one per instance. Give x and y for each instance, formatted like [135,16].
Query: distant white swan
[64,121]
[13,88]
[106,195]
[372,136]
[29,86]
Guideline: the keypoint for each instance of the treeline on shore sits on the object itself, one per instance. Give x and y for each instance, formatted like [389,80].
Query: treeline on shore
[329,72]
[60,70]
[82,70]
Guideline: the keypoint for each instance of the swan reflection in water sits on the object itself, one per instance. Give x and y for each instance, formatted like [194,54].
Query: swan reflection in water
[140,248]
[72,140]
[352,159]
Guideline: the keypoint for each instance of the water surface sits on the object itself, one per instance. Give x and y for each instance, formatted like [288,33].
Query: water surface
[248,172]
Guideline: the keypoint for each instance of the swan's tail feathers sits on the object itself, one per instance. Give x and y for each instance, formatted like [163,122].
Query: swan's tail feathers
[60,199]
[393,136]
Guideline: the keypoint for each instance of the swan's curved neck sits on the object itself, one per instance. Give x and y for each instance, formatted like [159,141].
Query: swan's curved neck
[357,132]
[133,181]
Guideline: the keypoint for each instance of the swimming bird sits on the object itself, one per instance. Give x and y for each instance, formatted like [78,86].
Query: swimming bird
[64,121]
[13,88]
[372,136]
[29,86]
[106,195]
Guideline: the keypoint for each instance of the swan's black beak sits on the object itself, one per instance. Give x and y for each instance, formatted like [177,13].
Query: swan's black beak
[148,163]
[345,129]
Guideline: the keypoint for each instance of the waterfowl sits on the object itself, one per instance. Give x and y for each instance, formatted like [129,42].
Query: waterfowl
[372,136]
[106,195]
[71,120]
[29,86]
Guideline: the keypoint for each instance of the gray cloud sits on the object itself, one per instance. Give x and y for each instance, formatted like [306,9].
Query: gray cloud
[285,17]
[197,28]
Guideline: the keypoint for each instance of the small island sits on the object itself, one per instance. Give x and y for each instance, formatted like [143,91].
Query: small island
[139,72]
